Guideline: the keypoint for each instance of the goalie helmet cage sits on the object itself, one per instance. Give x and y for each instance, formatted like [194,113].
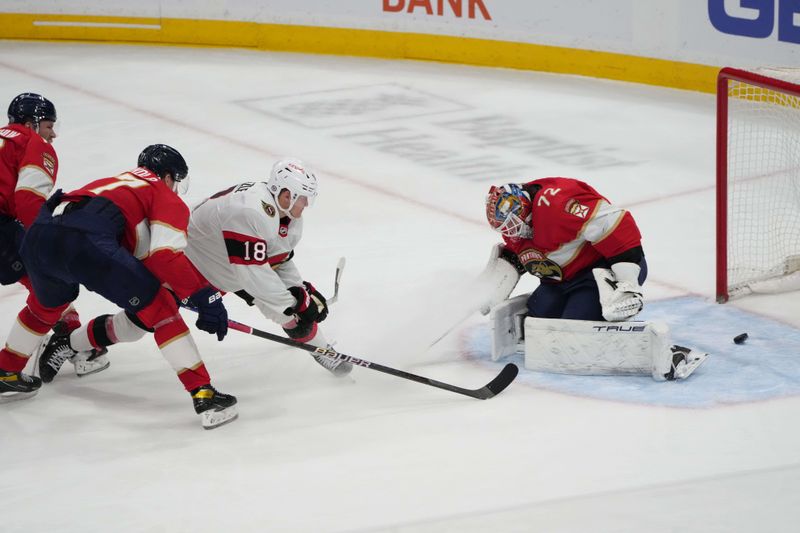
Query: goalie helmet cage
[758,181]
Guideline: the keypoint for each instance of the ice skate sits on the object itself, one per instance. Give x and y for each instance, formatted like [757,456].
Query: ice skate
[684,362]
[90,362]
[214,408]
[337,367]
[53,356]
[17,386]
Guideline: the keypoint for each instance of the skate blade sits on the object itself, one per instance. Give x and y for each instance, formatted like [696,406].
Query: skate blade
[213,419]
[684,370]
[8,397]
[83,373]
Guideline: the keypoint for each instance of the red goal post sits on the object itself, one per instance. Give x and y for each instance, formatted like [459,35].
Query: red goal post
[758,181]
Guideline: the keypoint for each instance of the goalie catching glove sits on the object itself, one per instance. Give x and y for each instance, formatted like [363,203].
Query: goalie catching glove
[620,292]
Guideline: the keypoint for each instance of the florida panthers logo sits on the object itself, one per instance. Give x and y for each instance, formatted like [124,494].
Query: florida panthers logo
[539,265]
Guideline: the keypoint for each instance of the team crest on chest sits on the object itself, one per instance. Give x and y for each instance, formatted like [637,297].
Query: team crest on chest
[268,209]
[49,163]
[576,208]
[539,265]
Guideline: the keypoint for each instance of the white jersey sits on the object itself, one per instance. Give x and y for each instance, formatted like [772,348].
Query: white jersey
[238,240]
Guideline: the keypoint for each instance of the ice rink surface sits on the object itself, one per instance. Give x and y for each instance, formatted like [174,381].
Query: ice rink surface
[405,152]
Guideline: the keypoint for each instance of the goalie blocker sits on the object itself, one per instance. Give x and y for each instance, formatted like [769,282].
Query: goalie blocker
[585,347]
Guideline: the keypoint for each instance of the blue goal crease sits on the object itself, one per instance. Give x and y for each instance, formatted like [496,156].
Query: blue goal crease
[766,366]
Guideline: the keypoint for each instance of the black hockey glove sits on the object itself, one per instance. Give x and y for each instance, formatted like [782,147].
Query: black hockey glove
[303,331]
[319,299]
[305,309]
[212,315]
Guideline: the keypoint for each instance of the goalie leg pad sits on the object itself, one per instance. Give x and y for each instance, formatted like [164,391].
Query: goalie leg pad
[585,347]
[508,331]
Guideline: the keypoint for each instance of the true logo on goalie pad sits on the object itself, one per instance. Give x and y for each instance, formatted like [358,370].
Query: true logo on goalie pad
[634,329]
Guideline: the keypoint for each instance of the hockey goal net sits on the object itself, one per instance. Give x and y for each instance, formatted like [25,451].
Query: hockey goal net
[758,181]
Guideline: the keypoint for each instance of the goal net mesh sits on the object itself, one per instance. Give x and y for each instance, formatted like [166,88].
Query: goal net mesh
[763,182]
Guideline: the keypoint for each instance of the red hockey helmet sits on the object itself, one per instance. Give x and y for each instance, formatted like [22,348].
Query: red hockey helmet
[509,211]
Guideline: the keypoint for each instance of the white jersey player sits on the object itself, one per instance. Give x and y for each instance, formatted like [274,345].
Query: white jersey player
[242,240]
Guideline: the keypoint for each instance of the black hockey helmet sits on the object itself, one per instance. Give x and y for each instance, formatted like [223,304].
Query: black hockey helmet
[31,107]
[162,160]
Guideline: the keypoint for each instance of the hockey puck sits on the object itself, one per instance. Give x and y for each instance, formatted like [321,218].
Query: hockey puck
[739,339]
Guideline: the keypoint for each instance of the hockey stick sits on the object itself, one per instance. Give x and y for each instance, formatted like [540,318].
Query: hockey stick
[449,330]
[490,390]
[336,280]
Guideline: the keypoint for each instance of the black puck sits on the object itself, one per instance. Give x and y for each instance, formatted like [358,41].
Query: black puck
[739,339]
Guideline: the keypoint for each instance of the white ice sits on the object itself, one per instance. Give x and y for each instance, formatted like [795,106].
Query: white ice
[124,451]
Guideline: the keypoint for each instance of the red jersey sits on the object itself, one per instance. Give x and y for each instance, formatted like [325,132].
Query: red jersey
[28,168]
[574,228]
[155,225]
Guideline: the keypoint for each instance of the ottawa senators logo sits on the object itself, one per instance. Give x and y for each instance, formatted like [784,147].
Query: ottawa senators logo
[539,265]
[49,163]
[268,209]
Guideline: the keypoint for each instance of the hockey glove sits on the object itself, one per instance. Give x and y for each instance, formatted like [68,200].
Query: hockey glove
[212,315]
[319,300]
[305,310]
[301,330]
[620,293]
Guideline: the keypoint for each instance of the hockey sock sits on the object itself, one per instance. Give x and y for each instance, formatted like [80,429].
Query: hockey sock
[193,378]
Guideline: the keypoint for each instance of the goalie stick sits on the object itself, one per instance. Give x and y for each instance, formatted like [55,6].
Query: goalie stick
[490,390]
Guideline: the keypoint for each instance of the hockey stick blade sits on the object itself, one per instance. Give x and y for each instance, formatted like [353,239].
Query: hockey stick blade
[499,383]
[336,280]
[490,390]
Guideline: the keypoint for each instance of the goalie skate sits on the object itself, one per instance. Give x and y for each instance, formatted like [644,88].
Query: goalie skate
[684,362]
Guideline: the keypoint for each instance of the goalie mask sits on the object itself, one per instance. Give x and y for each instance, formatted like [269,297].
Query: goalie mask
[291,174]
[509,211]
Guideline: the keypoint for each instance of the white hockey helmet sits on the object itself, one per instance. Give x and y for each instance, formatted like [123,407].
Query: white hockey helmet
[292,175]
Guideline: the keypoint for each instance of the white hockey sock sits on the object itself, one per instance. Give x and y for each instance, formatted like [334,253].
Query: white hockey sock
[118,329]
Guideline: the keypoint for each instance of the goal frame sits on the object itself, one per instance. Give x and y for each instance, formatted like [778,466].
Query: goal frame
[725,76]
